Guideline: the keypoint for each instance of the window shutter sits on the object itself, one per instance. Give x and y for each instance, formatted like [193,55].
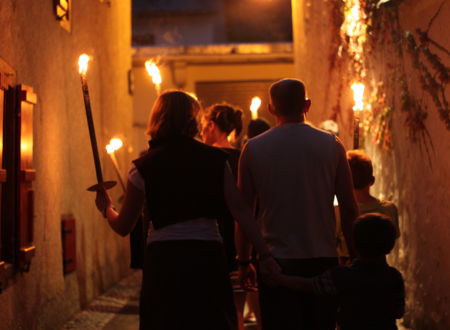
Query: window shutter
[27,174]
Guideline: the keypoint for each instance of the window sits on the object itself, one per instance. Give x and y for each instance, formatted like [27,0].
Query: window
[63,13]
[16,175]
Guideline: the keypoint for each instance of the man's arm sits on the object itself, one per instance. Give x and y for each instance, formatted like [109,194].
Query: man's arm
[242,213]
[346,198]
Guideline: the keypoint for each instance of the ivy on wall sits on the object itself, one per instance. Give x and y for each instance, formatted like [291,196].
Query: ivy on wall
[373,48]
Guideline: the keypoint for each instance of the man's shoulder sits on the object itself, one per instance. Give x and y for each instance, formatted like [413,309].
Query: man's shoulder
[306,129]
[262,137]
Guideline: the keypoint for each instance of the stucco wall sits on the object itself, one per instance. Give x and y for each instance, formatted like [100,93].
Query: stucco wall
[45,57]
[419,186]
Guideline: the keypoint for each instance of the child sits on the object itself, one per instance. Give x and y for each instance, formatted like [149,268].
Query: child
[370,292]
[363,179]
[362,173]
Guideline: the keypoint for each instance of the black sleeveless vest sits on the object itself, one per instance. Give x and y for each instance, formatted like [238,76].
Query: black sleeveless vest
[184,180]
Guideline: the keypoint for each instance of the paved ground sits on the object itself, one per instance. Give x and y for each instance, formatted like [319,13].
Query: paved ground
[117,309]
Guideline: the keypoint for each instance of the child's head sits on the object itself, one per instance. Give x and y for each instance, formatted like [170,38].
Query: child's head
[361,167]
[374,235]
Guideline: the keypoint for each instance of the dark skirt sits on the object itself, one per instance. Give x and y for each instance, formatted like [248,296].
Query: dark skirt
[186,286]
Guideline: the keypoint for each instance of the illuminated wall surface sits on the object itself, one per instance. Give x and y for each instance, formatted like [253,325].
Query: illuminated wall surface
[44,56]
[420,187]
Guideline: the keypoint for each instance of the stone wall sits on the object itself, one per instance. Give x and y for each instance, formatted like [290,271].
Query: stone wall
[44,56]
[419,184]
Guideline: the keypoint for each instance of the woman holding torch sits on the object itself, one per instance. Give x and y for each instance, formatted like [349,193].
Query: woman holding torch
[186,186]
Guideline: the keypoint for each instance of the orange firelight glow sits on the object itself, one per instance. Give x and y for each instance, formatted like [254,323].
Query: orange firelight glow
[193,95]
[154,73]
[254,106]
[83,61]
[114,144]
[354,28]
[358,95]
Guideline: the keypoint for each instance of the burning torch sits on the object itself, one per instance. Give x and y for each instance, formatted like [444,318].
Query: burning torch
[254,106]
[358,94]
[82,69]
[114,145]
[155,74]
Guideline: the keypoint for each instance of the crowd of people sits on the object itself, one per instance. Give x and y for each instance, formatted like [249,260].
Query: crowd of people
[223,223]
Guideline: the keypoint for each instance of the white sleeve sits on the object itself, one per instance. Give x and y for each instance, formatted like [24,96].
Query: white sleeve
[136,178]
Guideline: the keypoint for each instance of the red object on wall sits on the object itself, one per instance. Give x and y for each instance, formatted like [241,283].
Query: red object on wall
[69,244]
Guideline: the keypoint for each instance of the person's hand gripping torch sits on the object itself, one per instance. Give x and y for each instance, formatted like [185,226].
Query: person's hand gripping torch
[82,69]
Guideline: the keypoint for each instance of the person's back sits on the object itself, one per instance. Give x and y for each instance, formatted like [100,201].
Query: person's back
[292,173]
[293,167]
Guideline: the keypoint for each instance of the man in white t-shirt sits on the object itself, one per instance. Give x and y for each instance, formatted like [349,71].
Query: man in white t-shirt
[292,173]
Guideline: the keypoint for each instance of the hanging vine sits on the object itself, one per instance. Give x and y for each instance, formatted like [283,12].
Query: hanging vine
[374,41]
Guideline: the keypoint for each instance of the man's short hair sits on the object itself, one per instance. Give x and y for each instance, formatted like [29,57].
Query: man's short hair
[374,235]
[361,167]
[288,96]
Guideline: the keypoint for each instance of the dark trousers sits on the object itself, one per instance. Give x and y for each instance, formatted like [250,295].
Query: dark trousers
[286,309]
[186,286]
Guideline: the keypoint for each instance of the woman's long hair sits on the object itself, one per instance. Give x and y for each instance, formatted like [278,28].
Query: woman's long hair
[174,114]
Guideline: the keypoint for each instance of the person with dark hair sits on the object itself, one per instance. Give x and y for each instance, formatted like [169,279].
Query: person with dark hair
[257,127]
[363,179]
[218,123]
[186,186]
[362,173]
[293,172]
[371,293]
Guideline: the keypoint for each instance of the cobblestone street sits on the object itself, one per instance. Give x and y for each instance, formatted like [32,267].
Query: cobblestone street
[117,309]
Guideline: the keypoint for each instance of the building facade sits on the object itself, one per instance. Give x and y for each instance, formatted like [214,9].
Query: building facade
[53,164]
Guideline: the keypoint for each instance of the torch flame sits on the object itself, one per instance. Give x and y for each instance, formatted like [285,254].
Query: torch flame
[352,20]
[83,61]
[109,149]
[354,30]
[358,94]
[254,106]
[114,144]
[153,71]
